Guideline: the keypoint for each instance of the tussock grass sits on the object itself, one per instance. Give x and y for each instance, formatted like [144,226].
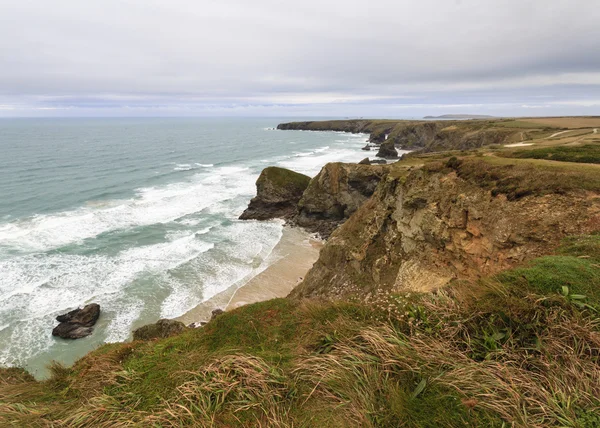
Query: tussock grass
[512,350]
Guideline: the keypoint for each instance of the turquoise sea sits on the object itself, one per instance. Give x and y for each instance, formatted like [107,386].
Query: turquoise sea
[138,215]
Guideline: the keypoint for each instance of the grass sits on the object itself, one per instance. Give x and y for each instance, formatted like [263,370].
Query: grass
[512,350]
[521,124]
[285,178]
[517,178]
[588,153]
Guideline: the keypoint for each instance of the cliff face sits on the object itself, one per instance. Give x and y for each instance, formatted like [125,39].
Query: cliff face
[335,194]
[428,226]
[278,191]
[425,135]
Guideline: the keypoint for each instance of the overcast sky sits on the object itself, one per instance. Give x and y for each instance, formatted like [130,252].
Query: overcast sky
[395,58]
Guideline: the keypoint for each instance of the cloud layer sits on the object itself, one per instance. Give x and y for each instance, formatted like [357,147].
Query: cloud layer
[265,57]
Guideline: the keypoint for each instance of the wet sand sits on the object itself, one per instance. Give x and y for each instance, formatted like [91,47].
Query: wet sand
[292,257]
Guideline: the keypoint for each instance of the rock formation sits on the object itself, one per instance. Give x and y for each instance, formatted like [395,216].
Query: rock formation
[430,225]
[365,161]
[161,329]
[77,323]
[387,150]
[278,191]
[335,193]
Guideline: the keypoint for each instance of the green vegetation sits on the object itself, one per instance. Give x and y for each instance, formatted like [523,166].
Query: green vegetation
[588,153]
[519,124]
[519,349]
[518,178]
[285,178]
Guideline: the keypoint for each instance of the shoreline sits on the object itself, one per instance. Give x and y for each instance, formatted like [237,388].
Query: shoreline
[293,256]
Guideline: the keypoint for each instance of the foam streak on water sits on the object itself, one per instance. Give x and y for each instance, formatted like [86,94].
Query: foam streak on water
[139,216]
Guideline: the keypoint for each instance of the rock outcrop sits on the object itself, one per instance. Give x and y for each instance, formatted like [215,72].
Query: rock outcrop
[335,193]
[430,225]
[278,191]
[161,329]
[77,323]
[387,150]
[365,161]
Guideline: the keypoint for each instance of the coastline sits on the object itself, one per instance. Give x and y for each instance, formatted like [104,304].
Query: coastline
[292,257]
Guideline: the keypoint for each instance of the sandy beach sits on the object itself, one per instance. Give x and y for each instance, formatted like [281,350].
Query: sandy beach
[292,257]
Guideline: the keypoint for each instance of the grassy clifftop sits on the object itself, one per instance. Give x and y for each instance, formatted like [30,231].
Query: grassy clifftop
[436,135]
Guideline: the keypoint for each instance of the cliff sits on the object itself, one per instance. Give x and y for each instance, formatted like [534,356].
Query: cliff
[427,136]
[429,225]
[335,194]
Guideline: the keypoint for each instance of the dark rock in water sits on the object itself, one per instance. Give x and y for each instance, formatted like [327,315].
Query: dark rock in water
[278,191]
[335,193]
[378,161]
[71,331]
[365,161]
[77,323]
[161,329]
[366,148]
[216,313]
[387,150]
[85,317]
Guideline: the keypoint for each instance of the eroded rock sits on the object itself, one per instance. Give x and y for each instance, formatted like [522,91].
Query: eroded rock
[77,323]
[387,150]
[161,329]
[278,191]
[426,227]
[335,193]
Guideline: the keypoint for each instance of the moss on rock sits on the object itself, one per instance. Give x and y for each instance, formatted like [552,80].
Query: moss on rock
[278,191]
[162,329]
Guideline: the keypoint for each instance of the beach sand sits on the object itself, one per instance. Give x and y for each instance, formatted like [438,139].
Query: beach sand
[292,257]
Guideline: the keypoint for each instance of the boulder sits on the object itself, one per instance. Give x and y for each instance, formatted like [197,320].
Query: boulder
[71,331]
[216,313]
[335,193]
[278,191]
[86,317]
[365,161]
[77,323]
[161,329]
[366,148]
[387,150]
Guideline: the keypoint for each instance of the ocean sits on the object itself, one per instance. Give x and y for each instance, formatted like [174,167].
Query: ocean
[138,215]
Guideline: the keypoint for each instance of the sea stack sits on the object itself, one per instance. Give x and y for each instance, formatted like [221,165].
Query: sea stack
[387,150]
[278,191]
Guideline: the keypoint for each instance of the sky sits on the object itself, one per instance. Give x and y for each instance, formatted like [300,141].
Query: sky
[369,58]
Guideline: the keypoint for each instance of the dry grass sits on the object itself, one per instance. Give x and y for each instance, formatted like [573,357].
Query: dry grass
[567,122]
[505,351]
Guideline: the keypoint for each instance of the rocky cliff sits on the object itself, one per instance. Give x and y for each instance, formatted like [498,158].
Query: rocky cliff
[335,194]
[278,191]
[425,226]
[425,135]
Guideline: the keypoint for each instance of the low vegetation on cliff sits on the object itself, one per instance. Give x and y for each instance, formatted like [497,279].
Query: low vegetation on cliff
[520,348]
[462,289]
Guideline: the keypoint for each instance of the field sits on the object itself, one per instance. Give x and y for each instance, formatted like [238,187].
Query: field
[566,122]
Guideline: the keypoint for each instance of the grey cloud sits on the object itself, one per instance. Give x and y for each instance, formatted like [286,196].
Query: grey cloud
[218,55]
